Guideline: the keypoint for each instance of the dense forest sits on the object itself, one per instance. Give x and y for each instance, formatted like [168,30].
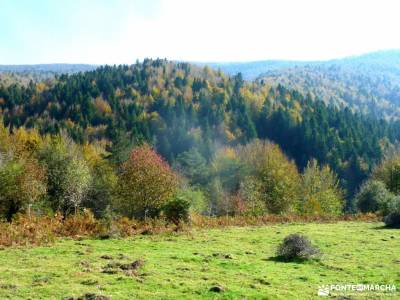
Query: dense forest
[190,113]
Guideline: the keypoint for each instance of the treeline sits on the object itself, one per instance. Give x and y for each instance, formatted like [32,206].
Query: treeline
[181,109]
[43,175]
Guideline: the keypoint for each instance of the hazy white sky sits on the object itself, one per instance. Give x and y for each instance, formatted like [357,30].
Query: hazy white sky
[121,31]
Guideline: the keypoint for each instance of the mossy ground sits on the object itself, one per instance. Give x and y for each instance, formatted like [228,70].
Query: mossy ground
[187,265]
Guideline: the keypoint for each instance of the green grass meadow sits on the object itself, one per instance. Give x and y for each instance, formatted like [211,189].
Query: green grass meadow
[186,265]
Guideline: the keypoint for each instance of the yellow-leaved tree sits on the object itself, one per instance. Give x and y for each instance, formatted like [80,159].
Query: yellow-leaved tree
[277,176]
[320,191]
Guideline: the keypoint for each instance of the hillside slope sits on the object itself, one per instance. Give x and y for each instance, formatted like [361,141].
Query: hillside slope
[178,107]
[368,83]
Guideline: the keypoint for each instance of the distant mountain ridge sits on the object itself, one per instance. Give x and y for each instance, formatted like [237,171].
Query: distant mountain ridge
[10,74]
[368,83]
[53,68]
[253,69]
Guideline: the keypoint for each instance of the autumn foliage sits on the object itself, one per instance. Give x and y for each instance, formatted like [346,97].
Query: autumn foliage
[145,184]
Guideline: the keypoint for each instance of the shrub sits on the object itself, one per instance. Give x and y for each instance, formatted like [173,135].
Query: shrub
[392,219]
[177,210]
[373,196]
[81,224]
[145,184]
[24,230]
[296,246]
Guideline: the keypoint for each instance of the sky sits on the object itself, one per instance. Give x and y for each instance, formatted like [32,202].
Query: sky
[123,31]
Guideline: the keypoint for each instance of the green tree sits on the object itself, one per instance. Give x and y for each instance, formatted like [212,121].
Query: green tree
[320,191]
[68,175]
[388,171]
[76,184]
[193,166]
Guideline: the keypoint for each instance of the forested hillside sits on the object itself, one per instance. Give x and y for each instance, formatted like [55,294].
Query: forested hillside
[189,113]
[367,83]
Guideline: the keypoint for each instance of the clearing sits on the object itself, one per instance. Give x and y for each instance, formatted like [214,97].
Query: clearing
[239,260]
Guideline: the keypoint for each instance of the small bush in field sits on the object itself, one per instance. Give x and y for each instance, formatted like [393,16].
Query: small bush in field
[392,219]
[177,210]
[296,247]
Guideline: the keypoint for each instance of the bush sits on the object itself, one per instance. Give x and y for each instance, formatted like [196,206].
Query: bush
[177,210]
[392,219]
[296,246]
[25,230]
[81,224]
[373,196]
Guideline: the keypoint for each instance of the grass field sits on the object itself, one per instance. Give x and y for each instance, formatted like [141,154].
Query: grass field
[186,265]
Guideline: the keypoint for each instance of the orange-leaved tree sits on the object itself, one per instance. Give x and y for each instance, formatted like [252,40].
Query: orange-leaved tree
[145,184]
